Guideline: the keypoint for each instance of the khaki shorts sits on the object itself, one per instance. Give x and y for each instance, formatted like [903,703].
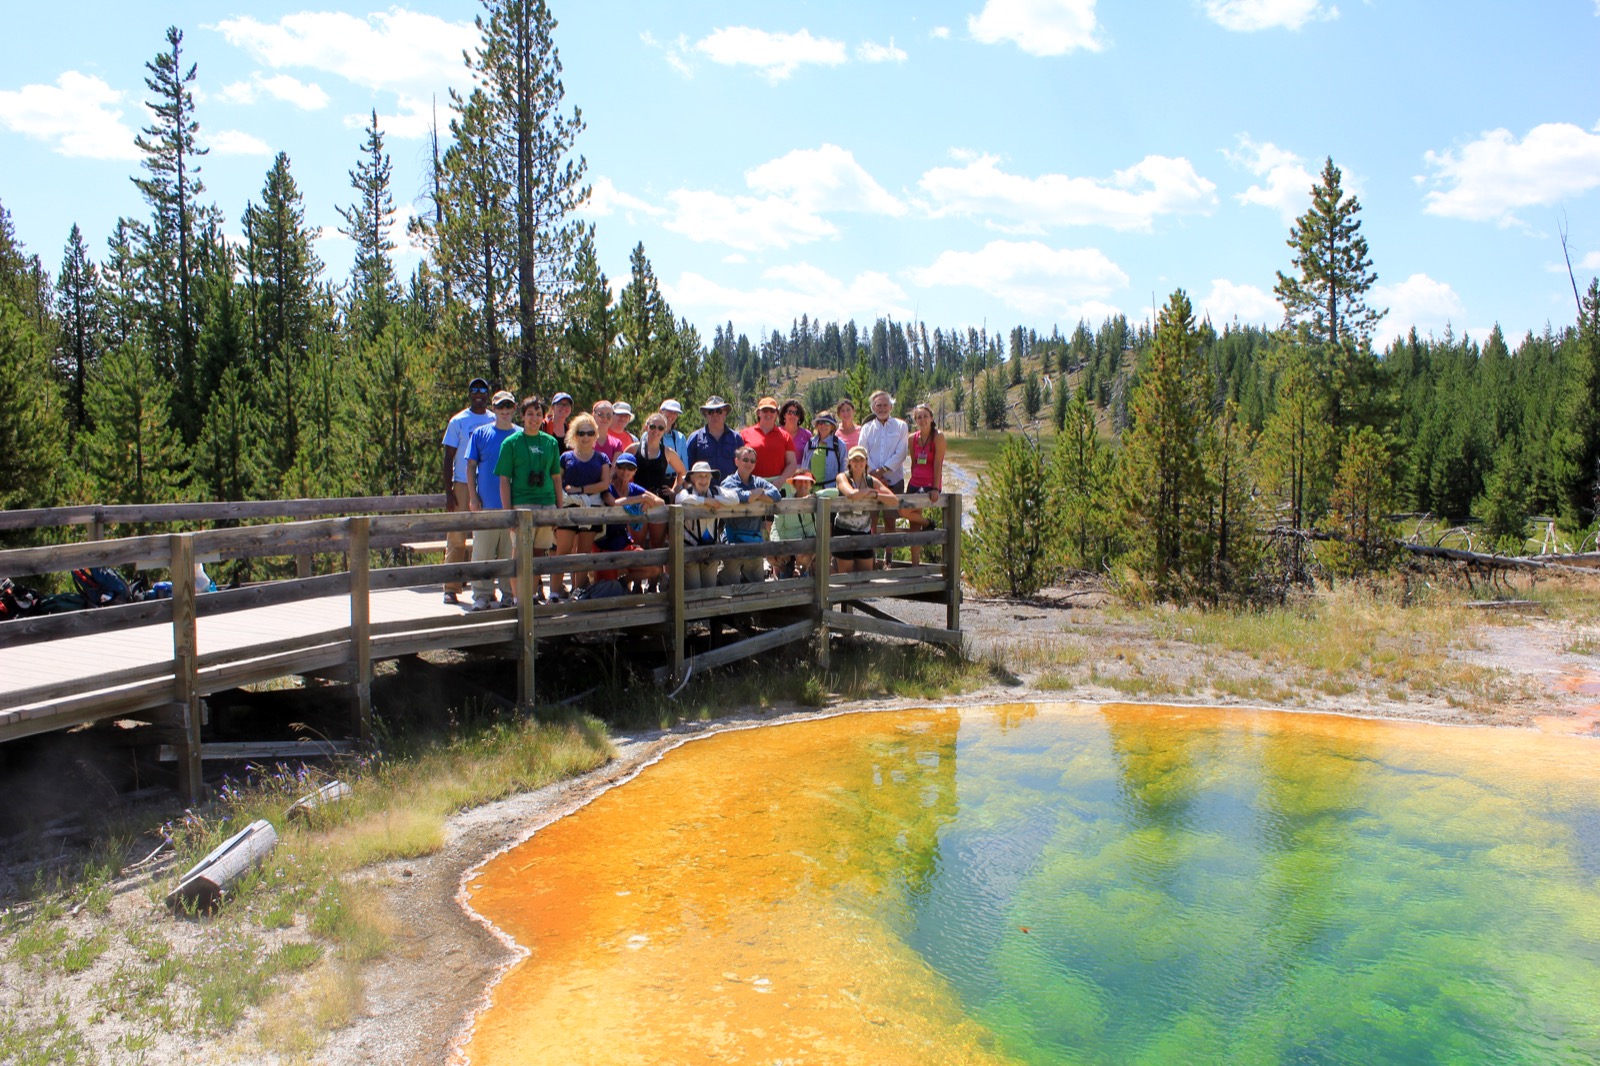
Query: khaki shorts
[544,537]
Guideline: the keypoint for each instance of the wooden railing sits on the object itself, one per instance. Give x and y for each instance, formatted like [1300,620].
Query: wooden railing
[174,687]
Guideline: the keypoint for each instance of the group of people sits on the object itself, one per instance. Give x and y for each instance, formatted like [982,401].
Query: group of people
[502,454]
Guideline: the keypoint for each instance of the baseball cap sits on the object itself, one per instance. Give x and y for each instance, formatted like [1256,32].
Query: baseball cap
[502,397]
[477,385]
[626,459]
[622,407]
[824,416]
[559,397]
[766,402]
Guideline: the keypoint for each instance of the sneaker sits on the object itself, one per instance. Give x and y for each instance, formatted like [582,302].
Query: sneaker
[450,598]
[480,606]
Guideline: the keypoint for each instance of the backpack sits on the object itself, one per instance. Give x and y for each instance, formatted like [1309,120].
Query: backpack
[16,601]
[101,586]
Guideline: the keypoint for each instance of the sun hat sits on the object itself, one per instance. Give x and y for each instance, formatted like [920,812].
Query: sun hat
[672,407]
[803,475]
[622,407]
[825,416]
[702,467]
[715,403]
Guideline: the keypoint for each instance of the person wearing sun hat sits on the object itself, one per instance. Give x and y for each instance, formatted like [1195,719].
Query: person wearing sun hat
[700,530]
[715,443]
[825,455]
[775,457]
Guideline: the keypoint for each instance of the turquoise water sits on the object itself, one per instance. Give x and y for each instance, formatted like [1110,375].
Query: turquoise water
[1066,884]
[1160,886]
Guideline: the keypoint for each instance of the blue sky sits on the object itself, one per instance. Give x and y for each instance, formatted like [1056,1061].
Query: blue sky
[971,162]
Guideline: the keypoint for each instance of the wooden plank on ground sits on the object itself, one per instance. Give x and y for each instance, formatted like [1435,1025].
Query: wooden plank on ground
[743,649]
[862,623]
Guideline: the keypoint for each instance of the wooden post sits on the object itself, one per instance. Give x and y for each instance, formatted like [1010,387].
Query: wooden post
[185,667]
[821,564]
[358,559]
[675,578]
[526,582]
[302,566]
[952,560]
[97,529]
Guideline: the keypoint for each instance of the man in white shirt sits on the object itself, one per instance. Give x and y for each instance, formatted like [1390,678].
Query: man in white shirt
[886,440]
[457,486]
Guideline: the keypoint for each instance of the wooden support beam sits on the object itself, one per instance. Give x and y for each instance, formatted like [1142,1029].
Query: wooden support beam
[821,564]
[357,562]
[525,582]
[675,589]
[952,561]
[186,665]
[741,649]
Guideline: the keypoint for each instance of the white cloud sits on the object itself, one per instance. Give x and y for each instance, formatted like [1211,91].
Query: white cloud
[606,199]
[1491,177]
[744,222]
[1228,301]
[80,115]
[872,52]
[1287,188]
[942,33]
[796,290]
[1247,16]
[1592,260]
[285,87]
[1038,27]
[1027,275]
[412,118]
[1418,301]
[676,52]
[235,142]
[384,50]
[776,55]
[1130,199]
[823,179]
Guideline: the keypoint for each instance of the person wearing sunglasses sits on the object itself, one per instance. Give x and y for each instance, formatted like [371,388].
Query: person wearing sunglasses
[659,471]
[483,454]
[585,482]
[457,489]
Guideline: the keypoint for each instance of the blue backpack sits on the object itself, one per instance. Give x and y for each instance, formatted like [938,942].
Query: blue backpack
[101,586]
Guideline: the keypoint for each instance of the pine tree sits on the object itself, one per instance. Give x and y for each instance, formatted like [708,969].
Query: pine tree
[367,222]
[1010,519]
[993,400]
[1080,480]
[1575,446]
[31,408]
[1297,443]
[519,70]
[281,270]
[645,361]
[324,463]
[399,445]
[1032,395]
[1064,396]
[591,332]
[166,245]
[1362,496]
[229,461]
[78,308]
[134,453]
[1164,490]
[1503,507]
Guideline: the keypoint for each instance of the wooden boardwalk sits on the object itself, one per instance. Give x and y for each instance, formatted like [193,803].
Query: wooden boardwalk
[157,660]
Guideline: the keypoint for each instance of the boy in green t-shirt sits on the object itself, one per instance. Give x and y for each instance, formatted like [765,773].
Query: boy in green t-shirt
[530,470]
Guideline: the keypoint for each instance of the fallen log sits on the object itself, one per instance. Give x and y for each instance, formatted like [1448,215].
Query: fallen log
[332,792]
[1499,562]
[202,887]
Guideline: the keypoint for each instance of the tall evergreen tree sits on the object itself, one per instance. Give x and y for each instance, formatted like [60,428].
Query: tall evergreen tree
[1576,444]
[134,453]
[648,357]
[166,245]
[518,67]
[591,330]
[1010,518]
[477,237]
[1080,481]
[78,308]
[367,222]
[229,461]
[395,388]
[1296,447]
[1164,489]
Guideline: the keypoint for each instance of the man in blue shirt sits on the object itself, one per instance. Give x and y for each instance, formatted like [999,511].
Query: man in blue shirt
[483,452]
[715,443]
[744,486]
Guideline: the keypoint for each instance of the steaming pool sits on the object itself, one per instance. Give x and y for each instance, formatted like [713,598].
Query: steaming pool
[1064,884]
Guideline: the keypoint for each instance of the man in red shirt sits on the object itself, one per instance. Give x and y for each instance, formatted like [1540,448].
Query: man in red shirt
[775,457]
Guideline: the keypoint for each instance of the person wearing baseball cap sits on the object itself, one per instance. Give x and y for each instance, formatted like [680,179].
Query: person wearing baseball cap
[555,423]
[457,492]
[483,455]
[623,410]
[775,456]
[798,525]
[715,443]
[674,437]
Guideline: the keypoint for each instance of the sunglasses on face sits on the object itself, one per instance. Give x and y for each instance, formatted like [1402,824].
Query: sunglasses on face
[505,406]
[586,433]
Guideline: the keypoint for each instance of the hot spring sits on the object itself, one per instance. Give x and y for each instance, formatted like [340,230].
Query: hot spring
[1064,884]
